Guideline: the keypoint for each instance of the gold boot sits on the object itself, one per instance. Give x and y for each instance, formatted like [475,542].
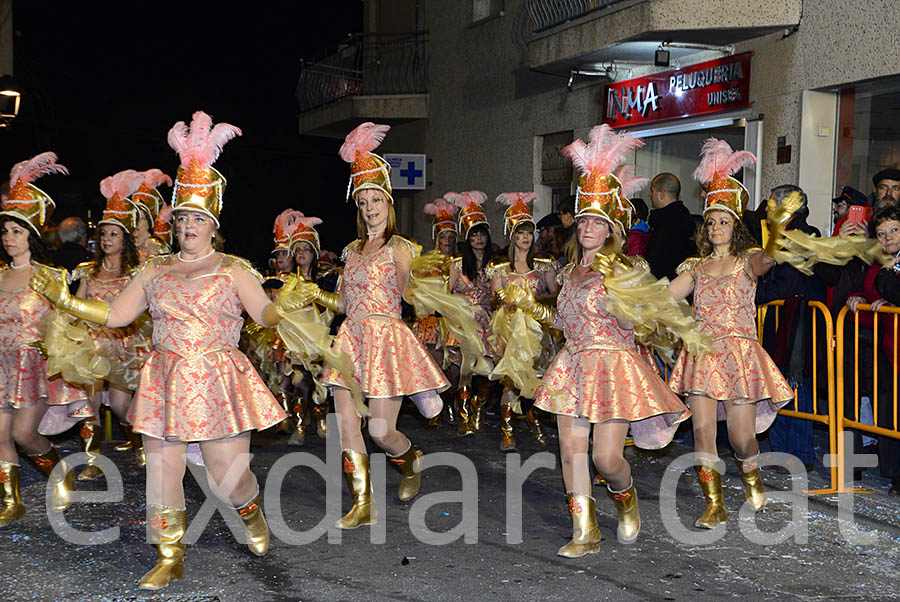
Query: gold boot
[91,439]
[321,412]
[753,485]
[629,516]
[465,419]
[477,410]
[167,527]
[711,484]
[537,429]
[284,401]
[405,463]
[13,509]
[507,440]
[585,534]
[449,398]
[356,470]
[255,524]
[301,421]
[128,444]
[62,488]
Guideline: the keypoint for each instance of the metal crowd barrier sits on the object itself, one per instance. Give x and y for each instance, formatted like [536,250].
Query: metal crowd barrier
[792,409]
[891,315]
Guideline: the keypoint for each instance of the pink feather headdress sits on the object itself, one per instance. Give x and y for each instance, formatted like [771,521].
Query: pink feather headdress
[368,170]
[120,211]
[25,200]
[285,225]
[718,162]
[519,212]
[162,226]
[306,232]
[471,212]
[443,212]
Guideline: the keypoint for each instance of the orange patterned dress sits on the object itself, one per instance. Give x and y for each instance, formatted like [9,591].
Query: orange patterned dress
[737,369]
[196,385]
[600,375]
[478,294]
[23,371]
[389,361]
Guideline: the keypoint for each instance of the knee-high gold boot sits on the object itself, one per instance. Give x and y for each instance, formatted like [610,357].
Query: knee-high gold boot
[301,421]
[405,464]
[585,534]
[321,412]
[711,484]
[255,524]
[465,418]
[356,471]
[13,509]
[62,487]
[449,397]
[537,429]
[626,502]
[507,440]
[479,400]
[167,526]
[91,440]
[284,400]
[753,485]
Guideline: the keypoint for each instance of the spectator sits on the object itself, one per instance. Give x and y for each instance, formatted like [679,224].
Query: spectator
[790,344]
[672,227]
[566,212]
[639,235]
[840,206]
[73,250]
[887,187]
[547,241]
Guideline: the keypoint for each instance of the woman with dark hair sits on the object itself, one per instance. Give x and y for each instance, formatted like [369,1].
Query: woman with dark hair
[126,348]
[537,274]
[737,380]
[24,387]
[468,277]
[389,362]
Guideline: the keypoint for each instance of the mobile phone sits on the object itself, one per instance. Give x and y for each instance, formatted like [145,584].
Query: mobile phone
[857,214]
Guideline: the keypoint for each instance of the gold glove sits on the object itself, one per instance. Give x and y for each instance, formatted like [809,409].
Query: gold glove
[778,217]
[305,293]
[604,263]
[55,287]
[523,298]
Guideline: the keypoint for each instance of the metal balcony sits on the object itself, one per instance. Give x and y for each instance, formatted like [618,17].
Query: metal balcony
[550,13]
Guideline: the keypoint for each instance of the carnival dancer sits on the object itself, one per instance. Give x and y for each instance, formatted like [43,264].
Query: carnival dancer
[126,348]
[306,250]
[24,387]
[428,328]
[162,227]
[737,381]
[598,385]
[468,277]
[150,202]
[389,361]
[537,274]
[196,385]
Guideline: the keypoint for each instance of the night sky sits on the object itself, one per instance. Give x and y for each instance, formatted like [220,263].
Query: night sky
[103,82]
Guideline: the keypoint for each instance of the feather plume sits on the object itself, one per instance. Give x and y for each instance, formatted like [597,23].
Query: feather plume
[440,206]
[310,222]
[287,221]
[165,214]
[630,183]
[364,139]
[514,198]
[475,197]
[716,156]
[201,142]
[155,177]
[604,151]
[577,154]
[40,165]
[123,184]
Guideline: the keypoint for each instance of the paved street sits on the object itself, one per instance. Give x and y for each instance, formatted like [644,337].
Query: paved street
[39,565]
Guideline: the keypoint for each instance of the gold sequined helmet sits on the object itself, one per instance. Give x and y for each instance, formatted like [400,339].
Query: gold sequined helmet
[26,201]
[198,185]
[285,225]
[471,212]
[717,164]
[599,189]
[306,233]
[147,198]
[162,226]
[443,219]
[120,210]
[518,212]
[367,170]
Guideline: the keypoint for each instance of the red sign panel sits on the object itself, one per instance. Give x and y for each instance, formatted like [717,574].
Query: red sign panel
[710,87]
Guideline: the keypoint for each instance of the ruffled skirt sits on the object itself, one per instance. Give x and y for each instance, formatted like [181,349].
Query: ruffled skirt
[738,370]
[23,378]
[602,385]
[388,359]
[201,398]
[126,350]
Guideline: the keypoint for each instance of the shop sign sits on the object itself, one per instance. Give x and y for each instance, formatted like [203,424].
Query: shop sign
[709,87]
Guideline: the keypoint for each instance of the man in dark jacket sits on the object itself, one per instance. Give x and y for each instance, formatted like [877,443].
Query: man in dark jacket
[672,227]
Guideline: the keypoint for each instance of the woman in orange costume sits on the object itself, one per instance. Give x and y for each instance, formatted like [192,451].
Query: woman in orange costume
[389,361]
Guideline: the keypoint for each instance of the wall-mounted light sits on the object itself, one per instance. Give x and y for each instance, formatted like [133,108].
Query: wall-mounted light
[661,58]
[10,97]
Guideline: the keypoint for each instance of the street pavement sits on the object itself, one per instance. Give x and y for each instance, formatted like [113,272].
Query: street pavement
[37,564]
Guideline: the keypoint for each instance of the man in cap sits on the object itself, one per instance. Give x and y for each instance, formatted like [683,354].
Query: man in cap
[887,187]
[840,206]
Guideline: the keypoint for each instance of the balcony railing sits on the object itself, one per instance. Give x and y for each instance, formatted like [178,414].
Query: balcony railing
[550,13]
[365,64]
